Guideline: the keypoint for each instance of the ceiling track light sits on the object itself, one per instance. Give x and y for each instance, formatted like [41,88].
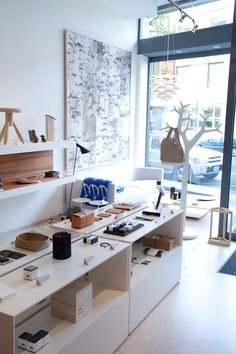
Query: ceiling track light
[184,15]
[195,26]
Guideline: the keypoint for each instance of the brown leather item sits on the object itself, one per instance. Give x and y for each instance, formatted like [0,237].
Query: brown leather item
[32,241]
[82,219]
[114,211]
[171,148]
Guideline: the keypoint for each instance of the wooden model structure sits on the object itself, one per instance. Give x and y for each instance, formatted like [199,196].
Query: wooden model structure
[9,123]
[50,127]
[227,217]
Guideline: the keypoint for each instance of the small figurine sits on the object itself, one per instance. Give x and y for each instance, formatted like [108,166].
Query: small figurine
[43,139]
[34,136]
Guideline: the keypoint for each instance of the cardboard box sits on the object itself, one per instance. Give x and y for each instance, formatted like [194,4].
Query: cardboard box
[75,292]
[72,302]
[82,219]
[161,242]
[69,312]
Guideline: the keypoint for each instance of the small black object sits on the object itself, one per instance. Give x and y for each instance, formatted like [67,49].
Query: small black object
[51,174]
[90,239]
[172,191]
[105,244]
[61,245]
[12,254]
[43,139]
[143,218]
[25,335]
[4,259]
[154,213]
[145,251]
[175,196]
[159,253]
[179,195]
[133,258]
[145,262]
[123,232]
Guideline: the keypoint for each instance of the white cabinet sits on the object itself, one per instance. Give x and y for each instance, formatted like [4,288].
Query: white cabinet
[29,310]
[124,292]
[150,283]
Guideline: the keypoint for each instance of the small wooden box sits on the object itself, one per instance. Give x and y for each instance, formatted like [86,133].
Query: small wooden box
[161,242]
[73,302]
[82,219]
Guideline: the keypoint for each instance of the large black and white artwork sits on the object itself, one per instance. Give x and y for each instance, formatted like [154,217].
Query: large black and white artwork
[97,100]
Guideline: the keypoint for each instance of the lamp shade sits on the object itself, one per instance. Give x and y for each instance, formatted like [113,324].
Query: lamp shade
[83,150]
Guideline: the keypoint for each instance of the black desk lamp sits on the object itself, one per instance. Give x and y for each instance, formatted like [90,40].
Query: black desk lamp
[83,151]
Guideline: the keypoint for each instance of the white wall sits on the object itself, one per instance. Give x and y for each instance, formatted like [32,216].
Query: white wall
[32,78]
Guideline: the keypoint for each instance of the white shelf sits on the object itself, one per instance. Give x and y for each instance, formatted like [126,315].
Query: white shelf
[63,333]
[118,293]
[32,147]
[151,283]
[61,272]
[140,271]
[100,224]
[28,310]
[34,187]
[149,226]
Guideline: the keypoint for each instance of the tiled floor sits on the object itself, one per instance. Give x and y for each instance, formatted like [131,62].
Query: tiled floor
[199,315]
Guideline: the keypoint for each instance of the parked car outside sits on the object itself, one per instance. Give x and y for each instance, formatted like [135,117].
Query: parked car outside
[202,162]
[216,144]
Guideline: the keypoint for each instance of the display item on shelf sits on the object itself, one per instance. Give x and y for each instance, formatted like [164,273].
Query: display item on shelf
[90,239]
[61,245]
[30,272]
[73,302]
[82,219]
[32,241]
[163,242]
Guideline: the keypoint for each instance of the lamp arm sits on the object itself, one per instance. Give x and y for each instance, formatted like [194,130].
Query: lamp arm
[71,187]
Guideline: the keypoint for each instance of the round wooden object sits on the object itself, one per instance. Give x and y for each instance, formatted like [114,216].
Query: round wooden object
[81,200]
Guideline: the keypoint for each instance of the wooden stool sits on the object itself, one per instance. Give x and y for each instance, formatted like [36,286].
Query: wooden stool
[9,123]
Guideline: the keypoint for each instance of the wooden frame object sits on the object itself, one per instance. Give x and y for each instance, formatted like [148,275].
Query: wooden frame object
[9,123]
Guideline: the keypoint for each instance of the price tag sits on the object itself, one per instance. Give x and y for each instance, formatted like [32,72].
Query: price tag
[88,260]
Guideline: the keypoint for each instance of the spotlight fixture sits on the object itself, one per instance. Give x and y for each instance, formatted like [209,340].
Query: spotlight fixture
[195,26]
[184,15]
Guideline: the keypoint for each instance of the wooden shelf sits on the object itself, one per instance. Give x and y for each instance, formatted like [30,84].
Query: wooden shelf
[14,189]
[31,147]
[30,159]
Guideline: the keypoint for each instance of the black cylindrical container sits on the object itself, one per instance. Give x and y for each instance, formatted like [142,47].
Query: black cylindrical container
[61,245]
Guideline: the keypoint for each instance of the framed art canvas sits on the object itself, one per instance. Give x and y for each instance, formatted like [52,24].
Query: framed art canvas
[97,100]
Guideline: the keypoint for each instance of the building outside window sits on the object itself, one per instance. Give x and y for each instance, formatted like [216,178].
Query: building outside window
[194,84]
